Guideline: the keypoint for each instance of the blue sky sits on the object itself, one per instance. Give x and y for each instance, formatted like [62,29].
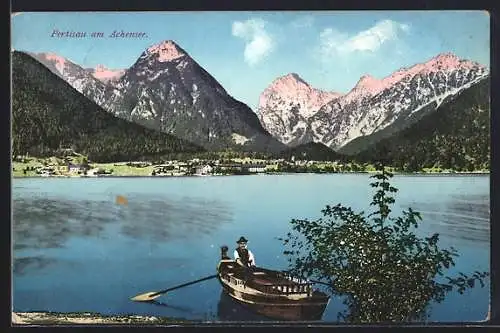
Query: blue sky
[246,51]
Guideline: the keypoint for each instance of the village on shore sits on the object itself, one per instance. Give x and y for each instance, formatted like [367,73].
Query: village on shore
[72,164]
[52,167]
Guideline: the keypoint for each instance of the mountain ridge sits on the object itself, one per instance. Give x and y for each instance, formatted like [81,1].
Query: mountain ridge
[78,77]
[372,104]
[455,136]
[361,143]
[166,90]
[162,90]
[48,113]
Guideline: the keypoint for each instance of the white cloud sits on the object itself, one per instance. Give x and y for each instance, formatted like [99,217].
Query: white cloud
[258,42]
[334,42]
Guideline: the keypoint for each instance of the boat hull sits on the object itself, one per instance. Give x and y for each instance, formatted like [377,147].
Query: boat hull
[283,311]
[228,309]
[278,306]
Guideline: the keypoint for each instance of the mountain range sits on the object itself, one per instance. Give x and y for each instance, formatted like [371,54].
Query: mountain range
[456,136]
[293,111]
[166,90]
[48,114]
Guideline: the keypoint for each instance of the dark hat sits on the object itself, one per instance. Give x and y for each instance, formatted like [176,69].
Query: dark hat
[242,240]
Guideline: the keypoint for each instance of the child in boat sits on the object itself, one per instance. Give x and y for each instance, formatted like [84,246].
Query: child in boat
[242,255]
[224,255]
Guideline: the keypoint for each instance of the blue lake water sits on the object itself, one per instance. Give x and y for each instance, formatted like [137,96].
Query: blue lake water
[76,250]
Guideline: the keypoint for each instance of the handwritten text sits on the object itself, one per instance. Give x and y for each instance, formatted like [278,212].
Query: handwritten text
[84,34]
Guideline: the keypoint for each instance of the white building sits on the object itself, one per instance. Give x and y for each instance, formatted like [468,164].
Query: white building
[256,168]
[204,170]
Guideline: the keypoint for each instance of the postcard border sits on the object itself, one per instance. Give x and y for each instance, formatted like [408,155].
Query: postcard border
[175,5]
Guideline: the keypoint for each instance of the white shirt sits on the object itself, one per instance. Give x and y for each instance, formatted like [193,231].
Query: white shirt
[251,258]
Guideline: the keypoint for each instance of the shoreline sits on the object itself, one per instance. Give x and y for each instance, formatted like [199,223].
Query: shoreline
[56,167]
[447,173]
[55,318]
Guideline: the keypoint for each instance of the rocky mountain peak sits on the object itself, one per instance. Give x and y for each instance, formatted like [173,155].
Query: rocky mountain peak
[292,86]
[295,112]
[166,50]
[446,62]
[289,84]
[291,98]
[57,62]
[293,78]
[375,104]
[54,57]
[369,84]
[449,61]
[442,62]
[165,89]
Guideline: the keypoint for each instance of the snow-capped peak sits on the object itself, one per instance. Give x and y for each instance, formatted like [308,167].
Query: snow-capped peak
[447,61]
[166,50]
[374,104]
[289,110]
[289,84]
[368,85]
[291,98]
[291,88]
[441,62]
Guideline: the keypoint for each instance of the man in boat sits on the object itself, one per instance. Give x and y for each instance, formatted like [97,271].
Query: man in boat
[244,257]
[242,254]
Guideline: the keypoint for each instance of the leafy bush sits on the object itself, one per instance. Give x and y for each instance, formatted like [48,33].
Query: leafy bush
[384,272]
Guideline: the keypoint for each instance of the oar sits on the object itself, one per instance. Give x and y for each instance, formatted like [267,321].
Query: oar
[146,297]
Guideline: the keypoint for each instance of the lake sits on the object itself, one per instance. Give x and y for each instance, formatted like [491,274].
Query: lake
[76,250]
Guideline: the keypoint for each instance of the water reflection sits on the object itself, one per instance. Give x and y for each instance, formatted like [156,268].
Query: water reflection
[230,310]
[163,220]
[48,223]
[44,223]
[465,217]
[25,264]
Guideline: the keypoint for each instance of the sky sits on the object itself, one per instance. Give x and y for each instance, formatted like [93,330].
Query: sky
[246,51]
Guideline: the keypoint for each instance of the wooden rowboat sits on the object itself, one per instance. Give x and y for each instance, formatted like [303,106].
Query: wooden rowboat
[271,293]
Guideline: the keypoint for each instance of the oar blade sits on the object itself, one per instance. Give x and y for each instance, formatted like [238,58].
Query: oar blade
[146,297]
